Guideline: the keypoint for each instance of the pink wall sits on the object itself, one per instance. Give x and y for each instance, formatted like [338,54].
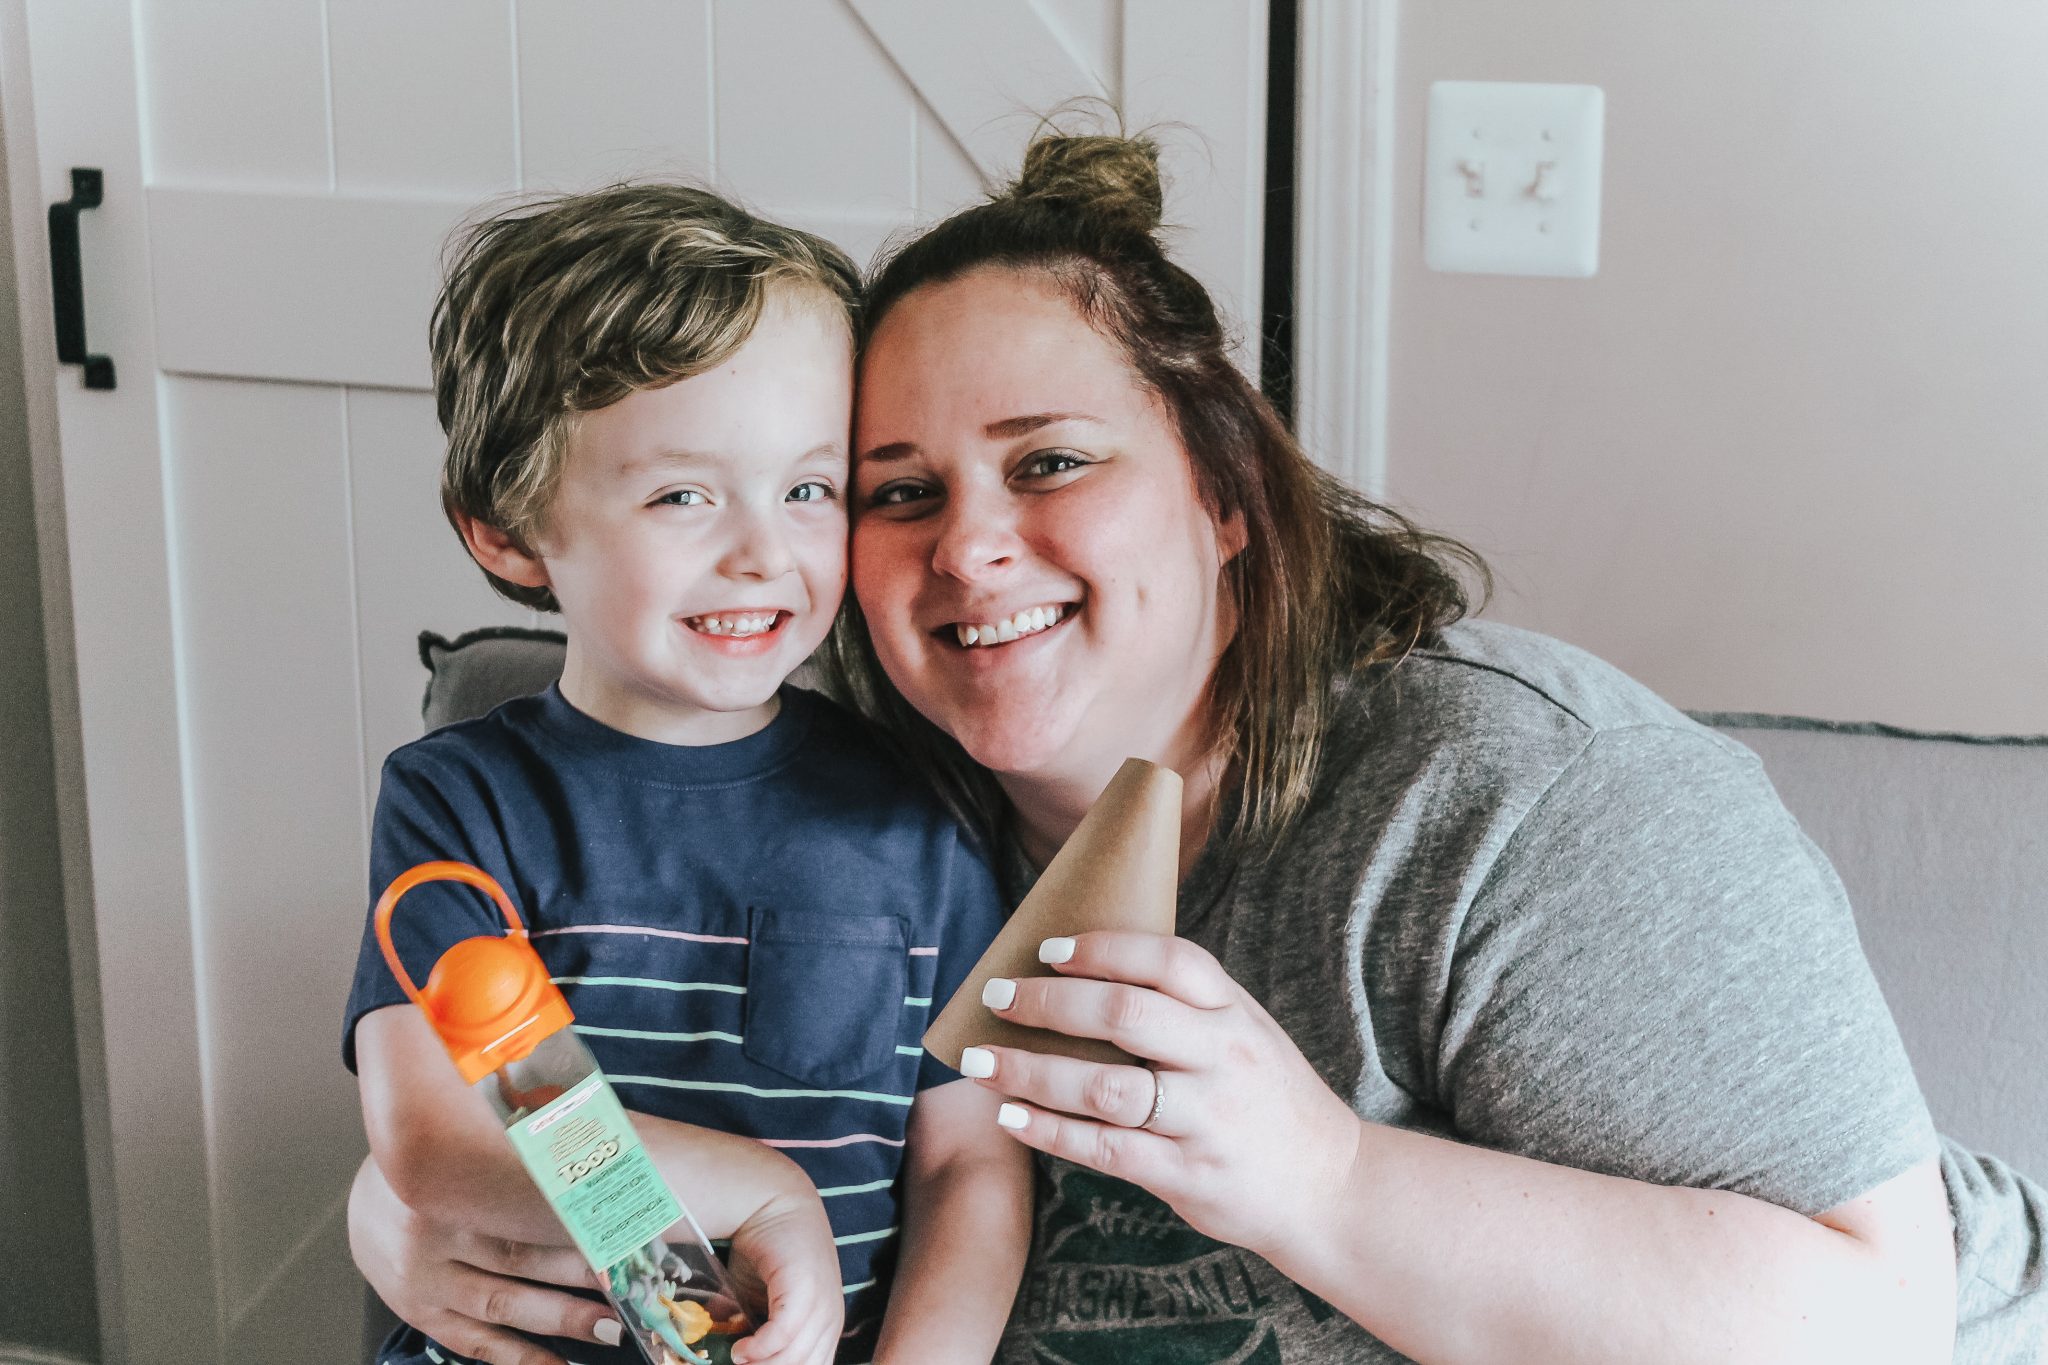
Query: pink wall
[1789,451]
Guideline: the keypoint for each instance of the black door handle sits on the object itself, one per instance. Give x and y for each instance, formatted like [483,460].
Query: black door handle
[67,279]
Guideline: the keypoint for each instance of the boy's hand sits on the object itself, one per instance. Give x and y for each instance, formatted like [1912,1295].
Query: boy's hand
[783,1257]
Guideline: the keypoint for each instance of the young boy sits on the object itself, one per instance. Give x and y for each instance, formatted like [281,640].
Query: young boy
[752,909]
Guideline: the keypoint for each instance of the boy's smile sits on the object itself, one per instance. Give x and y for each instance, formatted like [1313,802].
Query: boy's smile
[696,541]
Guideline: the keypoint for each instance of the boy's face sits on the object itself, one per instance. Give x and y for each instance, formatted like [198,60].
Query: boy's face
[697,540]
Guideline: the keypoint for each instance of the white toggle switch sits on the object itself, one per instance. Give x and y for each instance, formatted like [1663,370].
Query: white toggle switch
[1512,178]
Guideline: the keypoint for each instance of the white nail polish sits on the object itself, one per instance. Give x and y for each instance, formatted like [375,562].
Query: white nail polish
[1013,1116]
[608,1331]
[1056,950]
[1000,993]
[977,1062]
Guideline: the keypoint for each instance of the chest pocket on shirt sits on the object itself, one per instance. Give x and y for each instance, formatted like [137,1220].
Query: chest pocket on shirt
[825,994]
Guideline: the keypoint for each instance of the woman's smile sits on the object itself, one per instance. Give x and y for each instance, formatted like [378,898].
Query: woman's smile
[988,630]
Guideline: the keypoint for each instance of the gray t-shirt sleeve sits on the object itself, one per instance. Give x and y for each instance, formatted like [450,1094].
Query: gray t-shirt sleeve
[1660,979]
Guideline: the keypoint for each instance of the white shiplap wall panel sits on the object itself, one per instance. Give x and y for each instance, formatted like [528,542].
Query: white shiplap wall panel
[99,467]
[811,115]
[1201,65]
[312,288]
[987,71]
[306,162]
[261,562]
[423,97]
[610,89]
[1093,32]
[946,176]
[237,94]
[411,571]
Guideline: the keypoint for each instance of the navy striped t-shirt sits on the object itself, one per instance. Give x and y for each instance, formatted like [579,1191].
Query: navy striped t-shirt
[752,935]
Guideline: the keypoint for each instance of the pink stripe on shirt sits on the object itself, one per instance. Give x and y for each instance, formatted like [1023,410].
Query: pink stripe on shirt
[637,929]
[672,933]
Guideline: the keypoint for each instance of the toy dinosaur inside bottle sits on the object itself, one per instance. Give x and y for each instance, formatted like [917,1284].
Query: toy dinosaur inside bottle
[506,1026]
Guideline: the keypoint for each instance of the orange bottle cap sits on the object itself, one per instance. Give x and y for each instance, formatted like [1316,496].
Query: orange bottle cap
[489,998]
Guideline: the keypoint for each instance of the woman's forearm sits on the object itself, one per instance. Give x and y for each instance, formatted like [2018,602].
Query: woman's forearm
[1457,1255]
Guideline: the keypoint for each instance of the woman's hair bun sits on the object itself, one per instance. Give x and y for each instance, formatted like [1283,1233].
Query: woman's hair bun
[1113,179]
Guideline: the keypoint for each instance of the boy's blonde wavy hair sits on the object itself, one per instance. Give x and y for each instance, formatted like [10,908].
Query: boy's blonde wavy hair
[562,306]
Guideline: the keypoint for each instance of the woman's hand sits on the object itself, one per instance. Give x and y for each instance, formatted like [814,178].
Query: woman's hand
[469,1292]
[1247,1142]
[476,1294]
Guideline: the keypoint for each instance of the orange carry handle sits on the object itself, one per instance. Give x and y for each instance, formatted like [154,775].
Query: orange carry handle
[419,876]
[489,997]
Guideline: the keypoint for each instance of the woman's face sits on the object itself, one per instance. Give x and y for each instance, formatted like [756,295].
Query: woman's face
[1039,576]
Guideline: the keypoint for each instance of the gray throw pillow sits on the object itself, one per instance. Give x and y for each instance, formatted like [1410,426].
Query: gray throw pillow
[480,669]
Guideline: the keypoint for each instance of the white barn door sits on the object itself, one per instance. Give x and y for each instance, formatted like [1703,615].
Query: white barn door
[244,532]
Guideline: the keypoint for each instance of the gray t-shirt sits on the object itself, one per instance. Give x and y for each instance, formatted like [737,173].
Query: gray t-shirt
[1532,907]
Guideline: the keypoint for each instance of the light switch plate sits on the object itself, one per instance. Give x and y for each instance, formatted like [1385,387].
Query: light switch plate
[1512,178]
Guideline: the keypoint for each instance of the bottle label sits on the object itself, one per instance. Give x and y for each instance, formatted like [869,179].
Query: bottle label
[582,1152]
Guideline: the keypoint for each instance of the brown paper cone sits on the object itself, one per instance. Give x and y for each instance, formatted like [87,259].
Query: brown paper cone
[1119,870]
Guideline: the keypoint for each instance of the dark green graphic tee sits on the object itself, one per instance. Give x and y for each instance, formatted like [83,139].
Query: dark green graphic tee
[1128,1281]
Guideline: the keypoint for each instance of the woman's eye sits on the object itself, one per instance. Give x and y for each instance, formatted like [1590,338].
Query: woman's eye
[680,497]
[897,494]
[812,490]
[1047,462]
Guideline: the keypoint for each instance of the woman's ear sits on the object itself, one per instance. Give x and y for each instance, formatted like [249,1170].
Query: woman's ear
[498,553]
[1231,537]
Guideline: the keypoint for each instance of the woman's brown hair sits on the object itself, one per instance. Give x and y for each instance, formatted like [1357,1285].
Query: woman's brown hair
[1329,583]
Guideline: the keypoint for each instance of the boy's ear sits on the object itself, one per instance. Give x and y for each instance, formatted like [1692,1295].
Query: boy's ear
[498,553]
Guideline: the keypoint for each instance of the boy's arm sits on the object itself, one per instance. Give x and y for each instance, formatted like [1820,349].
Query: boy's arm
[443,1153]
[966,1229]
[446,1156]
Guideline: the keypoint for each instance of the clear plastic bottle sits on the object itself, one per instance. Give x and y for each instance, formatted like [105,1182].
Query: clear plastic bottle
[506,1027]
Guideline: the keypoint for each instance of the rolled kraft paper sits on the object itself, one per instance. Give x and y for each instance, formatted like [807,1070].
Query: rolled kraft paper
[1119,870]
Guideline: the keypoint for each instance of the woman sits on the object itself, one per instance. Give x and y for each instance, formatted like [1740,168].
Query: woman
[1511,1018]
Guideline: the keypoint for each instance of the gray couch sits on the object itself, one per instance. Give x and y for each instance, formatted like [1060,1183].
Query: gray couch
[1941,839]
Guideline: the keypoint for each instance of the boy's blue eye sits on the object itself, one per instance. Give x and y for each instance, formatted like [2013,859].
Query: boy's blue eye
[812,490]
[680,497]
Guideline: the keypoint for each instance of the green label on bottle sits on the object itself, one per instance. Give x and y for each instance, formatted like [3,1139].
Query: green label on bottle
[584,1155]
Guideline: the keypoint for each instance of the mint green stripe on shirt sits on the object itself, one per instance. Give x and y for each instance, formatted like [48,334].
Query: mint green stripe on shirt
[734,1088]
[868,1188]
[916,1000]
[856,1288]
[902,1051]
[852,1237]
[646,1035]
[648,983]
